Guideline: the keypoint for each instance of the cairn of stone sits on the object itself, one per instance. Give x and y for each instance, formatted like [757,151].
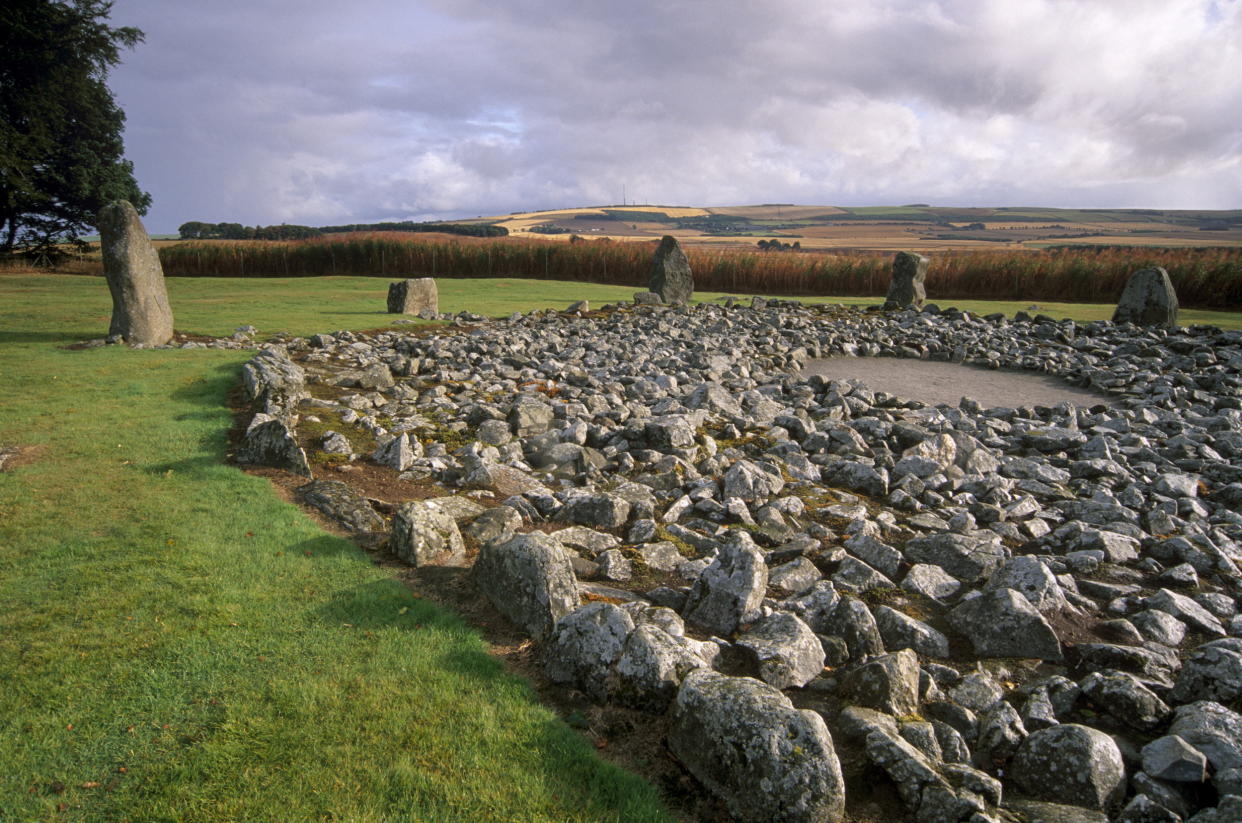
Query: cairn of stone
[140,311]
[414,296]
[1148,299]
[670,273]
[906,288]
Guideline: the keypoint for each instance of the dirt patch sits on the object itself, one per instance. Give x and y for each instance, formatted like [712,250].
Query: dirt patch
[934,382]
[14,457]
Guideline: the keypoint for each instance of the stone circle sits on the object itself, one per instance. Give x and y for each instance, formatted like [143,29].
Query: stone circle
[1001,595]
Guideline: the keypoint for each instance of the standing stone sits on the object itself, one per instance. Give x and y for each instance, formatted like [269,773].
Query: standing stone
[906,288]
[413,296]
[140,311]
[1148,299]
[670,273]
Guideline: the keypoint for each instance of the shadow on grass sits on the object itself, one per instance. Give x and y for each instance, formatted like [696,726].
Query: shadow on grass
[66,337]
[384,604]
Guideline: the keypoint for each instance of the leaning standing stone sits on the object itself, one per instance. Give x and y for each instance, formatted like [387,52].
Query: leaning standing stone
[906,288]
[670,273]
[140,311]
[1148,299]
[413,296]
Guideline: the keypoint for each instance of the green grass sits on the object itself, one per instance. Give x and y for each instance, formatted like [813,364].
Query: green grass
[177,643]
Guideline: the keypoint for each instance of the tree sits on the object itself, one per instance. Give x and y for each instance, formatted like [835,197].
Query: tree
[61,153]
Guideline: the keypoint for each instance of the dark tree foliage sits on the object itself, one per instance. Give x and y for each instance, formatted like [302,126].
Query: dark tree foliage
[467,229]
[197,230]
[61,154]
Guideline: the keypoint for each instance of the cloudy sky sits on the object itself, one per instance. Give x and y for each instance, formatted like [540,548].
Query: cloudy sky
[324,111]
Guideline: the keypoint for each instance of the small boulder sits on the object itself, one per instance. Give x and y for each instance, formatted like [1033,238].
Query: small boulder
[788,652]
[731,589]
[1071,764]
[340,502]
[888,683]
[1003,623]
[529,579]
[748,745]
[270,442]
[425,534]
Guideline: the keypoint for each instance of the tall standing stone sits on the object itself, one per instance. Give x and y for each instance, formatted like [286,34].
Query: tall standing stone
[140,311]
[1148,299]
[670,273]
[413,296]
[906,287]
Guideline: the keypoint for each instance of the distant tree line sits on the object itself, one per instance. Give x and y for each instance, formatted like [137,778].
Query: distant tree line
[776,245]
[196,230]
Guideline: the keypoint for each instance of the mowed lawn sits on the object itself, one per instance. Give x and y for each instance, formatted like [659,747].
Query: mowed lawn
[178,644]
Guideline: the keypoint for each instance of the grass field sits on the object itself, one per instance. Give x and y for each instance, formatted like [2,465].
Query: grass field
[178,644]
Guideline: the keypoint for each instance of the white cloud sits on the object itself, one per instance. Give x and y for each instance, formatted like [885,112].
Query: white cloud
[327,112]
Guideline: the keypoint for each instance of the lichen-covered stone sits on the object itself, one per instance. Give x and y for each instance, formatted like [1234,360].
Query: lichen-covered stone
[748,745]
[413,296]
[1148,299]
[787,651]
[671,277]
[140,311]
[268,441]
[423,534]
[1071,764]
[731,589]
[529,579]
[1003,623]
[339,501]
[906,288]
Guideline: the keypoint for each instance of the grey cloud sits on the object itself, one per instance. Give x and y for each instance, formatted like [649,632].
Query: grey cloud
[322,112]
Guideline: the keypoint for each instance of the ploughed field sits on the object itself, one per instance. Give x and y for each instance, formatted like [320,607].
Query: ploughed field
[822,594]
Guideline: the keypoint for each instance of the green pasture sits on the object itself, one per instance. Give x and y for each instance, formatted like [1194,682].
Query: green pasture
[178,644]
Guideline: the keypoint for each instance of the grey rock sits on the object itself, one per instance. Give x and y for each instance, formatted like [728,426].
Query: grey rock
[614,566]
[399,452]
[1212,672]
[1033,579]
[584,645]
[1172,758]
[787,652]
[900,631]
[413,296]
[499,523]
[140,310]
[1186,610]
[600,510]
[273,383]
[906,288]
[853,622]
[651,668]
[1003,623]
[528,578]
[423,533]
[1123,697]
[888,683]
[671,277]
[1148,299]
[339,501]
[1072,764]
[747,744]
[1001,732]
[269,442]
[731,589]
[662,556]
[794,577]
[931,581]
[968,559]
